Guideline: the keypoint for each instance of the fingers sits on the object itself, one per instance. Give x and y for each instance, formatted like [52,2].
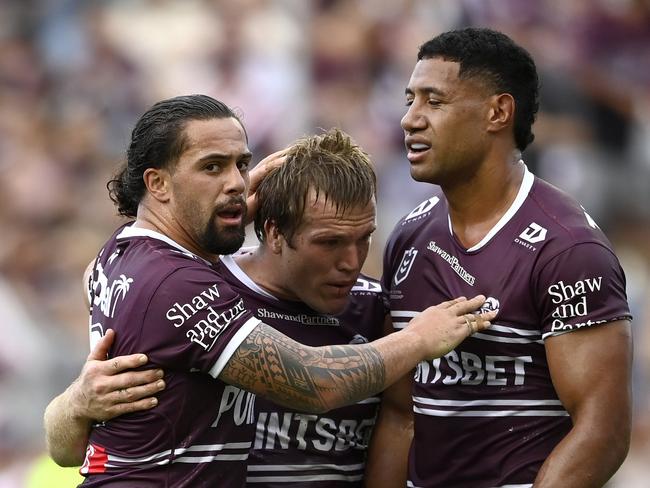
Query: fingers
[264,167]
[122,363]
[123,408]
[451,303]
[256,175]
[466,306]
[477,322]
[132,379]
[136,393]
[483,320]
[100,351]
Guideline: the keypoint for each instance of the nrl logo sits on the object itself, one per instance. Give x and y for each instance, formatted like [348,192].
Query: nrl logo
[405,266]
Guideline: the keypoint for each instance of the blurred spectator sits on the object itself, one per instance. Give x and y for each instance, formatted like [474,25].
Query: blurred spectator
[75,74]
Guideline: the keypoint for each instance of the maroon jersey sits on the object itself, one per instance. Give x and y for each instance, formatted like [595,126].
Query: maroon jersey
[486,414]
[164,301]
[294,449]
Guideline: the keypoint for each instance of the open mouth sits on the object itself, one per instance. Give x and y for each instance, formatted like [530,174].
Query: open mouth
[416,149]
[231,215]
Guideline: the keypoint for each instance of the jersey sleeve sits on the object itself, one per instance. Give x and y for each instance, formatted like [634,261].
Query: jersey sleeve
[580,287]
[195,322]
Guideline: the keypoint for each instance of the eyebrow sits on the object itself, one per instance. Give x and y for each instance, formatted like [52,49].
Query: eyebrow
[224,157]
[426,90]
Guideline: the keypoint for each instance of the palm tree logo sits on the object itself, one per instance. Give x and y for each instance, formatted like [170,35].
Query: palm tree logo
[119,289]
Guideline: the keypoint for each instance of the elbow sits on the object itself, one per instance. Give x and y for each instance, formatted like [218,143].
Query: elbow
[64,459]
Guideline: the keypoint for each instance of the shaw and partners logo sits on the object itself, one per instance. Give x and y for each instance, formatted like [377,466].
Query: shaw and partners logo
[453,263]
[205,331]
[571,302]
[107,296]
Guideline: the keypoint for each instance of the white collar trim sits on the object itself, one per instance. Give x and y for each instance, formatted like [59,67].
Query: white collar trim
[230,263]
[133,231]
[524,189]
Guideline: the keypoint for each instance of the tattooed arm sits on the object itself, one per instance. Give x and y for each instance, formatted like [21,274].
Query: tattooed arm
[318,379]
[313,379]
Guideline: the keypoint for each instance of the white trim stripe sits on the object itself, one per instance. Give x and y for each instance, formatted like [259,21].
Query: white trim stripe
[239,337]
[510,340]
[230,263]
[524,189]
[133,231]
[179,451]
[410,484]
[295,479]
[490,413]
[492,402]
[513,330]
[403,313]
[304,467]
[369,400]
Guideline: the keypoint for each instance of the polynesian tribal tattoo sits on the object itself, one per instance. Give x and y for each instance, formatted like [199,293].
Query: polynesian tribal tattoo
[301,377]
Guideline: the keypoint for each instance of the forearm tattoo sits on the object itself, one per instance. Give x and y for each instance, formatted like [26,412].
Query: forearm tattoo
[305,378]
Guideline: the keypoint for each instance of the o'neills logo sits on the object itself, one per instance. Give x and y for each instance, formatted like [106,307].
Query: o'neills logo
[453,262]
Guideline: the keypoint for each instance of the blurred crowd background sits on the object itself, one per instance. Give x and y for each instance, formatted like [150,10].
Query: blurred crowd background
[76,74]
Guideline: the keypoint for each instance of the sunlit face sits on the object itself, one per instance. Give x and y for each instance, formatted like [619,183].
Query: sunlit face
[445,124]
[209,184]
[326,255]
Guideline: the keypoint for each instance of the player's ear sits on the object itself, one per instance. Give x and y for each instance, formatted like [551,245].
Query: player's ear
[501,112]
[158,183]
[273,237]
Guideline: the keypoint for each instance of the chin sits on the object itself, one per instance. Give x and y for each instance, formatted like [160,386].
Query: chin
[334,307]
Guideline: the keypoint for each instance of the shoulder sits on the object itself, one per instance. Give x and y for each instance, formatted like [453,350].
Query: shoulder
[431,213]
[558,223]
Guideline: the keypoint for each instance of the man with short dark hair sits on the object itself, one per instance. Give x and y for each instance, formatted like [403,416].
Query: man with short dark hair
[157,284]
[543,398]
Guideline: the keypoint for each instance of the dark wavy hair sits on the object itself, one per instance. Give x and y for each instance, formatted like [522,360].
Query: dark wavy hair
[157,141]
[330,164]
[499,62]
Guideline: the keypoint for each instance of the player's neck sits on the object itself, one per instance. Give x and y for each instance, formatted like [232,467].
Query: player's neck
[261,266]
[157,221]
[476,206]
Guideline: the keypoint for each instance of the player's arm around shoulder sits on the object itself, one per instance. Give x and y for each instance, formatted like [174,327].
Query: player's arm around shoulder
[591,370]
[318,379]
[104,389]
[387,463]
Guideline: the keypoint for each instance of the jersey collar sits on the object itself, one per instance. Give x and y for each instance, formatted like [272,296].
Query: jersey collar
[133,231]
[524,189]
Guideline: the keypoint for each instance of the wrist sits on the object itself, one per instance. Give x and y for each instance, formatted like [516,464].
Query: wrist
[416,341]
[76,409]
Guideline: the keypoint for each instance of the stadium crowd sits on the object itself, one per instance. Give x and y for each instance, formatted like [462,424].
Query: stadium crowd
[75,74]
